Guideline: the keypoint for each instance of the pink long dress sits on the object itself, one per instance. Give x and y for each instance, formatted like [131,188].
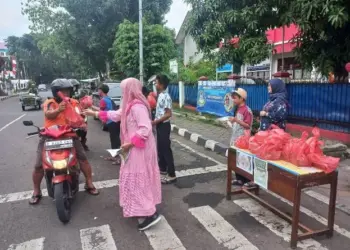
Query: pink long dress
[140,186]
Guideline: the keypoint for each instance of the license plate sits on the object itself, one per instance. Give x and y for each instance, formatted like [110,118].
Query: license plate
[59,144]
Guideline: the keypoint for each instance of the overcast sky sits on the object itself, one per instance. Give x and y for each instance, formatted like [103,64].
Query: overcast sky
[13,23]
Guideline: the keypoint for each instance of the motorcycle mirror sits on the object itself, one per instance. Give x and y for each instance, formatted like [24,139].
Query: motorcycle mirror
[28,123]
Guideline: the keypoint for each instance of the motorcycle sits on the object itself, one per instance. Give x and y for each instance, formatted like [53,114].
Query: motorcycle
[60,166]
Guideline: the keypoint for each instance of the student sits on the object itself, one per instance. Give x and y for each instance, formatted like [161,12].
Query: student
[107,104]
[162,121]
[242,121]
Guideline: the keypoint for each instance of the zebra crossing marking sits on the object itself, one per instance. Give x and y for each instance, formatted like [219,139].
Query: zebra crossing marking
[315,216]
[275,224]
[162,237]
[97,238]
[220,229]
[36,244]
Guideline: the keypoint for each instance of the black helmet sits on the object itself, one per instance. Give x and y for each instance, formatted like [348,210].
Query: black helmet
[58,85]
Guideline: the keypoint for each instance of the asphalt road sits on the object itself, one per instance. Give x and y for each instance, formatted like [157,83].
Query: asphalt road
[196,214]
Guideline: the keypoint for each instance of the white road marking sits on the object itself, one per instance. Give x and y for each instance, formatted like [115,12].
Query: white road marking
[277,225]
[20,196]
[315,216]
[325,200]
[97,238]
[162,237]
[199,153]
[36,244]
[10,123]
[220,229]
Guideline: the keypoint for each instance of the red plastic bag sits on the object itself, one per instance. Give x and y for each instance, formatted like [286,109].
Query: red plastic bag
[314,143]
[273,145]
[268,145]
[326,163]
[86,102]
[73,118]
[243,141]
[298,154]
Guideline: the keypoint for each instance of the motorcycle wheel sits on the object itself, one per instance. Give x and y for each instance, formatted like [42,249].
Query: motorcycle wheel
[49,186]
[63,204]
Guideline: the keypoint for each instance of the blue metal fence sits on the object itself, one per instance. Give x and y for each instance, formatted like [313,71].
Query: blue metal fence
[324,105]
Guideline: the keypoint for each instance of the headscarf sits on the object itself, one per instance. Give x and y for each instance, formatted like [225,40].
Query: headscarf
[279,90]
[132,94]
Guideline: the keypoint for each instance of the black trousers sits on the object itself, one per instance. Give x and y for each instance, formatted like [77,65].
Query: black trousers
[165,154]
[114,134]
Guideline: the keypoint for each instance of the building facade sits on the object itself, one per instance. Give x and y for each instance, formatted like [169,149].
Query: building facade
[189,46]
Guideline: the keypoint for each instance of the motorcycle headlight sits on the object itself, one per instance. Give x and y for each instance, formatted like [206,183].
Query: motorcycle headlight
[60,164]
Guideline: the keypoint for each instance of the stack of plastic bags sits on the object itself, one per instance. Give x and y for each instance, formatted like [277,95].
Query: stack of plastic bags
[276,144]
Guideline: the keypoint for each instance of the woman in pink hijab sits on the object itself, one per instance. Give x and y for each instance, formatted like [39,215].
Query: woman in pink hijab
[140,185]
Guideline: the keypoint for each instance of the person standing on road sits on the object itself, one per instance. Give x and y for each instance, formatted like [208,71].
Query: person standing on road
[242,121]
[107,104]
[139,185]
[275,110]
[162,122]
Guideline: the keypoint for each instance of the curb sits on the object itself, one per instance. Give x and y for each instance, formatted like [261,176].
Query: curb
[3,98]
[212,145]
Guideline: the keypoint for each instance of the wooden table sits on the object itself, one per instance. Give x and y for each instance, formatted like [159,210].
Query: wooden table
[285,180]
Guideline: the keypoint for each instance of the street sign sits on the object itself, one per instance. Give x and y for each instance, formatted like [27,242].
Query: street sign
[227,68]
[173,66]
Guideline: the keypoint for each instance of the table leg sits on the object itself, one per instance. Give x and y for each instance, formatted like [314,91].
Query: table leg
[332,204]
[229,181]
[295,217]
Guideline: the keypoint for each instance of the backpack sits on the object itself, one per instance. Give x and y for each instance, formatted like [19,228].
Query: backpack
[114,106]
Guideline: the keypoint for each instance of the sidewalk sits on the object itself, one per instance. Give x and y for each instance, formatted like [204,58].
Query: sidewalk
[217,138]
[3,98]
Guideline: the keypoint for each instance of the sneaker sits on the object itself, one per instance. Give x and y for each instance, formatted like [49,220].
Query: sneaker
[168,180]
[163,173]
[149,222]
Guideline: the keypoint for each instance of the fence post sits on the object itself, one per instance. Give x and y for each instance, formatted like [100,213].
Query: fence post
[181,94]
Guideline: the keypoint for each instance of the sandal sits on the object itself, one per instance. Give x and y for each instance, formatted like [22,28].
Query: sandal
[250,185]
[237,183]
[107,158]
[117,161]
[91,190]
[35,199]
[168,180]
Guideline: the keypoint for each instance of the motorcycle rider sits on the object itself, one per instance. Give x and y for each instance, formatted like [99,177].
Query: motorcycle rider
[53,109]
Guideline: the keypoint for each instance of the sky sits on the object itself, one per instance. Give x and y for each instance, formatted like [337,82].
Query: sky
[13,23]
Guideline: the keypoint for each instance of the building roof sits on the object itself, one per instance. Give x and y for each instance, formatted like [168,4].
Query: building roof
[183,29]
[3,45]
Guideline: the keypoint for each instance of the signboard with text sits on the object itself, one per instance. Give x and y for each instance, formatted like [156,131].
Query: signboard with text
[214,97]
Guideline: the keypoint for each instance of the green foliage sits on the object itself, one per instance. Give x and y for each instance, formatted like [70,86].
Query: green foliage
[87,27]
[193,71]
[159,48]
[323,41]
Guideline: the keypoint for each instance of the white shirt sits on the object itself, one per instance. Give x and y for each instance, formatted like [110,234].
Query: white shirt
[164,102]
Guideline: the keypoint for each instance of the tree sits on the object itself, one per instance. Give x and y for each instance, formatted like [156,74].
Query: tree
[323,40]
[159,48]
[40,58]
[88,26]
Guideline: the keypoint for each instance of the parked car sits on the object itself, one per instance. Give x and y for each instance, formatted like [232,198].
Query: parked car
[42,87]
[115,93]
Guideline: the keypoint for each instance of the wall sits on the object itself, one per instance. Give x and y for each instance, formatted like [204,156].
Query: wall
[190,50]
[322,104]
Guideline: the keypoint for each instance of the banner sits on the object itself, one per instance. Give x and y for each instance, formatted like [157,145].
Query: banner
[214,97]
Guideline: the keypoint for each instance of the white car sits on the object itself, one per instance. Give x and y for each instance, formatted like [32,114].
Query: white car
[42,87]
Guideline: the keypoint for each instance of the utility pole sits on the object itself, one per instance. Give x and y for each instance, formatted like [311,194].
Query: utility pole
[141,40]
